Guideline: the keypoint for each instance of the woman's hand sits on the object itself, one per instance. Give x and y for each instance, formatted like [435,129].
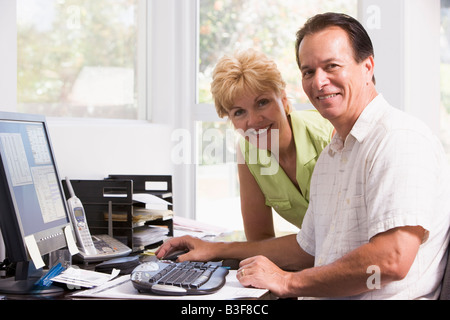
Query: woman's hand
[198,250]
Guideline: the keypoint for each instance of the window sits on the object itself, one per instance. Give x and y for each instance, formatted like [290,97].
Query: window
[79,58]
[269,26]
[225,26]
[445,75]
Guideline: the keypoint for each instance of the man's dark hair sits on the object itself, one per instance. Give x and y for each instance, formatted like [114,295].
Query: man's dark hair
[359,38]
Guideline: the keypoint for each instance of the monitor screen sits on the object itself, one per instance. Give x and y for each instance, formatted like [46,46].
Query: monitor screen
[33,203]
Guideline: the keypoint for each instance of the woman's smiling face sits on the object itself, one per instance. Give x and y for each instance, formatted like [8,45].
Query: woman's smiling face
[257,115]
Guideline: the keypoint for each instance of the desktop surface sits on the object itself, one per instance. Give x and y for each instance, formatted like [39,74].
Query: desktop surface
[122,288]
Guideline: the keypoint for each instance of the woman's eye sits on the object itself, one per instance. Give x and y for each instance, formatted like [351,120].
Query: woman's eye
[238,113]
[263,102]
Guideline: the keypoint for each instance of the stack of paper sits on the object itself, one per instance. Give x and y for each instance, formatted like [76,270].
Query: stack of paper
[77,277]
[155,208]
[146,235]
[141,215]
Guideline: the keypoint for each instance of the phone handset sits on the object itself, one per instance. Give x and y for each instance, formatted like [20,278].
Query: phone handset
[80,225]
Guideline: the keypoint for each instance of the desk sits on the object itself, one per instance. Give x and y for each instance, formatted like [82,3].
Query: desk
[122,288]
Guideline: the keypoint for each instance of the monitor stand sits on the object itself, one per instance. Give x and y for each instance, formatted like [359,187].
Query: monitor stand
[23,283]
[26,287]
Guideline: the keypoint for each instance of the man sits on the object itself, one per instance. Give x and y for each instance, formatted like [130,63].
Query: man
[377,226]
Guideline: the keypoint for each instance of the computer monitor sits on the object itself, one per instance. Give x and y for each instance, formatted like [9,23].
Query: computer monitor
[33,211]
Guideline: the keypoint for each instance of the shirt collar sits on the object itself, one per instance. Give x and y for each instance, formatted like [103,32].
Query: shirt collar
[306,151]
[363,125]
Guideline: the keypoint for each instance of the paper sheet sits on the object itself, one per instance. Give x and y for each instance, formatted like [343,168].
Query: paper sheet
[149,199]
[84,278]
[34,252]
[71,244]
[181,223]
[122,288]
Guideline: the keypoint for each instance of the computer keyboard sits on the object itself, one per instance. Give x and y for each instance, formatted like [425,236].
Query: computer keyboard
[179,278]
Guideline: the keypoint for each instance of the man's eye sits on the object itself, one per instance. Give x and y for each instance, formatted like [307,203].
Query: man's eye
[307,73]
[332,66]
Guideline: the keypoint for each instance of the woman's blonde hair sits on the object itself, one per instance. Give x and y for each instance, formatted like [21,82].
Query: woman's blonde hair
[247,70]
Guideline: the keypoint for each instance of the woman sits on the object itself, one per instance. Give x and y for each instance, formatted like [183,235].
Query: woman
[279,146]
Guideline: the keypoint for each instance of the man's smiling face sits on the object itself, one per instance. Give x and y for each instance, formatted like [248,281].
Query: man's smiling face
[335,83]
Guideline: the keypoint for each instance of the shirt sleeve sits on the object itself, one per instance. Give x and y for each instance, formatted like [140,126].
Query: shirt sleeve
[402,182]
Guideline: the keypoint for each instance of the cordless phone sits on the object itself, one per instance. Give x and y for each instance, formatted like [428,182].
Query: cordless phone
[92,248]
[76,210]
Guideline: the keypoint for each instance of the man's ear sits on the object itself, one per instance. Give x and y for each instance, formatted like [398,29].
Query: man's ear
[369,67]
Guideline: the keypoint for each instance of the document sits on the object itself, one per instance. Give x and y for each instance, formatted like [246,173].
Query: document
[151,201]
[80,278]
[122,288]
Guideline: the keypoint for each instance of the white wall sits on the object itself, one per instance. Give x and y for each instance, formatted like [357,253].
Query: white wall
[422,61]
[405,35]
[92,150]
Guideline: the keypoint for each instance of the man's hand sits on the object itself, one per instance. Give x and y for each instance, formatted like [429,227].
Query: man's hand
[260,272]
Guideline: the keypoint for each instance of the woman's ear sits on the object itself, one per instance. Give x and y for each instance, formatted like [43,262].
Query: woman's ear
[286,103]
